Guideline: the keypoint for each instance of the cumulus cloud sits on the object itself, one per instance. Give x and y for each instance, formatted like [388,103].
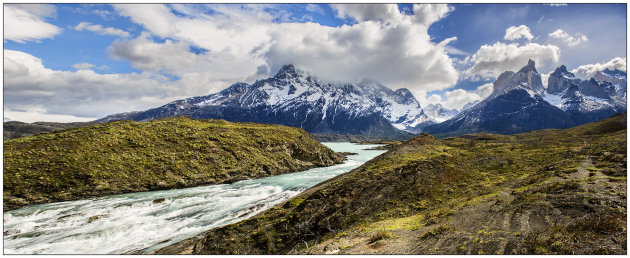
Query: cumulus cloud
[101,30]
[25,22]
[365,12]
[457,99]
[83,66]
[515,33]
[426,14]
[587,71]
[34,92]
[491,60]
[243,43]
[245,40]
[569,40]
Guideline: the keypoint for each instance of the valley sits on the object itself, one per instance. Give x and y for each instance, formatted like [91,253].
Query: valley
[542,192]
[144,221]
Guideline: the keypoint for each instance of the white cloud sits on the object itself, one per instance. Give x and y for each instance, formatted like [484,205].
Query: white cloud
[544,77]
[41,10]
[457,99]
[38,116]
[557,4]
[83,66]
[587,71]
[314,8]
[25,22]
[244,43]
[484,91]
[571,41]
[244,40]
[514,33]
[491,60]
[37,92]
[365,12]
[426,14]
[101,30]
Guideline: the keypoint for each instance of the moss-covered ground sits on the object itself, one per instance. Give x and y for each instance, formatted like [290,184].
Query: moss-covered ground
[542,192]
[127,156]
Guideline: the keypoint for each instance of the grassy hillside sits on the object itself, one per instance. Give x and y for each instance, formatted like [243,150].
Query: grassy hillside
[543,192]
[126,156]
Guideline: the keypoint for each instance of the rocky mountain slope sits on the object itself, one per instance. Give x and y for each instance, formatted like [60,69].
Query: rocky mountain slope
[295,98]
[587,100]
[543,192]
[127,156]
[520,103]
[514,106]
[437,113]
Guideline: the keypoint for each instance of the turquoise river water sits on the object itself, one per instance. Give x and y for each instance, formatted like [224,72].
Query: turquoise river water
[129,222]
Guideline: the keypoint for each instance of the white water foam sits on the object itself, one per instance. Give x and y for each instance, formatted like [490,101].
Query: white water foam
[131,222]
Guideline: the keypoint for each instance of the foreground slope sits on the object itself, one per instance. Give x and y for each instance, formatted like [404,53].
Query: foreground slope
[127,156]
[559,191]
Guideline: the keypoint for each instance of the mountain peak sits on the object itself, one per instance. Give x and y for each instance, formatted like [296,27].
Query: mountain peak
[288,69]
[562,70]
[614,73]
[531,66]
[403,92]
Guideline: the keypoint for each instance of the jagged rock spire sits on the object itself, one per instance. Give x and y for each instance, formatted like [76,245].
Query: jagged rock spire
[531,66]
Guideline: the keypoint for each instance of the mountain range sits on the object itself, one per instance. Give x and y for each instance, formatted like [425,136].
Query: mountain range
[296,98]
[519,102]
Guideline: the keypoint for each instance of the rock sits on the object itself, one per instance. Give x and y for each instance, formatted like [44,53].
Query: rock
[159,200]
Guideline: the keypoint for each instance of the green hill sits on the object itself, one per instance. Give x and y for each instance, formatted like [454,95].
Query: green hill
[127,156]
[543,192]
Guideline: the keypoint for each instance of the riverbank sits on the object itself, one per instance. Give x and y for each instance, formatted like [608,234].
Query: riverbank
[541,192]
[127,156]
[143,221]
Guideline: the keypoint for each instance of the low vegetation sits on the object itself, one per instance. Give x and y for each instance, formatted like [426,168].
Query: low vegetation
[542,192]
[127,156]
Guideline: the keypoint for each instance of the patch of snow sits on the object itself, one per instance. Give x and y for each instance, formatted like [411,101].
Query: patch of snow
[553,99]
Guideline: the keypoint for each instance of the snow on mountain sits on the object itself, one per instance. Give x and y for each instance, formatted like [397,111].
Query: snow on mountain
[437,113]
[616,77]
[591,100]
[520,103]
[296,98]
[516,105]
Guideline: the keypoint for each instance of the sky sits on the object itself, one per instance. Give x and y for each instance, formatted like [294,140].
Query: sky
[80,62]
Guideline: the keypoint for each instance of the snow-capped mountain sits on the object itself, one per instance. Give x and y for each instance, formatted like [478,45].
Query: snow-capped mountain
[520,103]
[514,106]
[587,100]
[616,77]
[296,98]
[437,113]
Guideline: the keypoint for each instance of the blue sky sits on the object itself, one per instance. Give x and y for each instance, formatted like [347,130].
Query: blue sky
[75,62]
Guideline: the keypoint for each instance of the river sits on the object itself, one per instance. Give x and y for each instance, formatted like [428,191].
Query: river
[124,223]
